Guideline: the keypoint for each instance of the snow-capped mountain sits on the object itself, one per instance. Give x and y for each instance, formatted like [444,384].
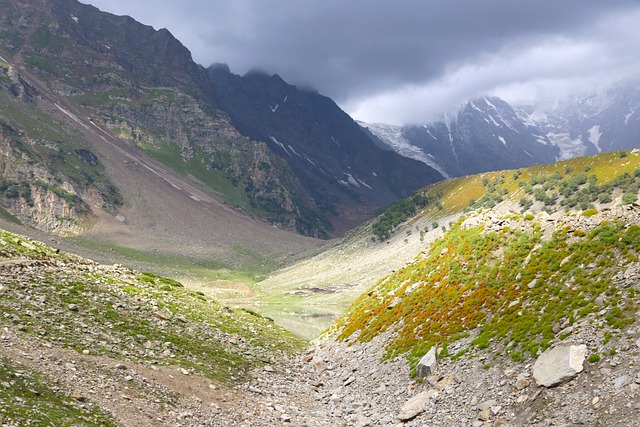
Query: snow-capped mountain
[485,135]
[488,134]
[608,120]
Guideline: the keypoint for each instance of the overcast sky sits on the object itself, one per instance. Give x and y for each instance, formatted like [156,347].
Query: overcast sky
[408,61]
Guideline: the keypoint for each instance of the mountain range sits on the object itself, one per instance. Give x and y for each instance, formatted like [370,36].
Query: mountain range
[488,134]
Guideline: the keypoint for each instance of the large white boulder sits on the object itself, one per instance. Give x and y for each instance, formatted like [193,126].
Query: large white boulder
[559,364]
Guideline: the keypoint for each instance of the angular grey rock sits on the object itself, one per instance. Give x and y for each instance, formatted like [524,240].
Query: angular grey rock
[487,405]
[415,405]
[559,364]
[428,364]
[319,365]
[621,381]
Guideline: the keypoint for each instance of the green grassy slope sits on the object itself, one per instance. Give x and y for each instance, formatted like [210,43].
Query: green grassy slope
[49,298]
[538,250]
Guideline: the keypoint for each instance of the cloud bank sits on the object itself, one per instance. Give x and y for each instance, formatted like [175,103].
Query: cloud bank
[408,61]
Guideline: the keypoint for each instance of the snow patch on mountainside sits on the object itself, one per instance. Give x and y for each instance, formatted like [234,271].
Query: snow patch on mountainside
[280,144]
[569,147]
[628,116]
[394,138]
[594,137]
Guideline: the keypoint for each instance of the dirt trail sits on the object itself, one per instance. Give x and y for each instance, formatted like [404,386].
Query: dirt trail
[139,395]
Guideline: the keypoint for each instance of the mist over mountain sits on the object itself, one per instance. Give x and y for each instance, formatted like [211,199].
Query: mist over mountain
[488,134]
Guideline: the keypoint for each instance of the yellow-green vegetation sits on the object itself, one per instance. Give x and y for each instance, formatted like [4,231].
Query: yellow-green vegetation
[572,184]
[129,315]
[506,289]
[401,210]
[26,400]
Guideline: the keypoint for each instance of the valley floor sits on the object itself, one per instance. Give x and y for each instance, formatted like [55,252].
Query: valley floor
[335,384]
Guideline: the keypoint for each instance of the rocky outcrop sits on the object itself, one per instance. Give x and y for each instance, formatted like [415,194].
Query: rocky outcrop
[37,196]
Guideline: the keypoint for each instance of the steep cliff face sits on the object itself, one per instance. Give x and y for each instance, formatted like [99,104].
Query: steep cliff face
[143,85]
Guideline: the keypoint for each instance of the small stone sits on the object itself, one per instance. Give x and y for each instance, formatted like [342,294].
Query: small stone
[522,398]
[128,378]
[484,415]
[595,401]
[86,351]
[318,364]
[522,382]
[268,368]
[164,314]
[447,381]
[77,396]
[285,418]
[120,366]
[184,371]
[381,389]
[487,405]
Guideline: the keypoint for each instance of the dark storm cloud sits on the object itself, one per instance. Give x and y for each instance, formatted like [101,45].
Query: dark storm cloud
[400,61]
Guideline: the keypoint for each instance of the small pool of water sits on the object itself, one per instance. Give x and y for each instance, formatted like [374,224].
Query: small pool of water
[305,321]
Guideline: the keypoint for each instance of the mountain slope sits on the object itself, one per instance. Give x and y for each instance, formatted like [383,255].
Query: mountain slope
[603,122]
[338,275]
[91,345]
[141,85]
[488,317]
[71,164]
[489,277]
[334,159]
[488,134]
